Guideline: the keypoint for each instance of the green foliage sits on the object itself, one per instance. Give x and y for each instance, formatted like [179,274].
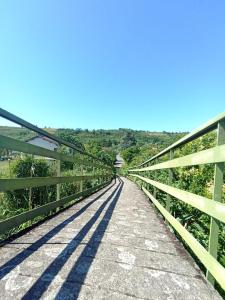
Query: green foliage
[30,167]
[195,179]
[106,155]
[70,135]
[130,153]
[65,165]
[128,140]
[17,201]
[111,139]
[21,133]
[93,147]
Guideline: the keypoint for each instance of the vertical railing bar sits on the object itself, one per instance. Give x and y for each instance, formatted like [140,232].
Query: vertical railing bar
[30,204]
[58,186]
[170,171]
[217,196]
[58,174]
[82,173]
[93,172]
[155,177]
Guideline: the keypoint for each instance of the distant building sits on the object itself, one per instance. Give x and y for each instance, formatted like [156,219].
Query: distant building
[43,142]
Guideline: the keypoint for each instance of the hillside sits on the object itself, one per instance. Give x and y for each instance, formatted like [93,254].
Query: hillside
[113,139]
[21,133]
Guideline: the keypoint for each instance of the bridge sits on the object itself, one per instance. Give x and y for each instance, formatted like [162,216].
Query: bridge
[113,238]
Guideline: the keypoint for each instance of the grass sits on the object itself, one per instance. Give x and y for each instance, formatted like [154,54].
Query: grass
[4,168]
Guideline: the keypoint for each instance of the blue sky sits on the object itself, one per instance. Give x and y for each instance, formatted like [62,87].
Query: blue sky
[153,65]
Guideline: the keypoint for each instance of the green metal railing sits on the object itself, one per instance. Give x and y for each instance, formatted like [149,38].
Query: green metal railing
[101,173]
[212,207]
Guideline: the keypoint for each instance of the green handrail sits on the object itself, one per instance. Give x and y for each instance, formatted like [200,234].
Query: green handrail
[212,207]
[87,159]
[7,115]
[205,128]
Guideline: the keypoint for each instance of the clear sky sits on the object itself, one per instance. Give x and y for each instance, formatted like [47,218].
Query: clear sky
[141,64]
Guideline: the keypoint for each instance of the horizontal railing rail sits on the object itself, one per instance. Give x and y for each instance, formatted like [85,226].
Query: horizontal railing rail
[209,156]
[20,146]
[97,174]
[214,267]
[212,207]
[26,216]
[205,128]
[7,115]
[23,183]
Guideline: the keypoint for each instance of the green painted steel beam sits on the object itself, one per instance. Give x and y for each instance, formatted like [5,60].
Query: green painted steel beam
[215,268]
[22,183]
[217,196]
[168,197]
[12,144]
[7,115]
[155,177]
[205,128]
[209,156]
[208,206]
[17,220]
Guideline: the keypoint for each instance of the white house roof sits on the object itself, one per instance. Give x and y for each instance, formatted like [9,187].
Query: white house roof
[43,138]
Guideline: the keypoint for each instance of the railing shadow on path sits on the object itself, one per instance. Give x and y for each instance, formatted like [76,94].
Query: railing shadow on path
[46,278]
[79,277]
[23,255]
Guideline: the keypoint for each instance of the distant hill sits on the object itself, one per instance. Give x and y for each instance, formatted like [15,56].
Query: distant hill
[114,139]
[20,133]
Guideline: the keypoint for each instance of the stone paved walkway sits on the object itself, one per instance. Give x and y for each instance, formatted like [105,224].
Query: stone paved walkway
[112,245]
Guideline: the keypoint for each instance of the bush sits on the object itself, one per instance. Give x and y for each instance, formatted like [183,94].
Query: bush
[18,200]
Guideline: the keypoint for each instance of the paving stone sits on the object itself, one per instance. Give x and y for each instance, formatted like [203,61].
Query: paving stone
[112,245]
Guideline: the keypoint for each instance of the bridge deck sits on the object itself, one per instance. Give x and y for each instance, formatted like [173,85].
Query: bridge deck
[112,245]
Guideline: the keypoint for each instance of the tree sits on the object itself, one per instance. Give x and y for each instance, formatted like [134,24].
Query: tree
[69,135]
[95,149]
[129,153]
[128,140]
[17,201]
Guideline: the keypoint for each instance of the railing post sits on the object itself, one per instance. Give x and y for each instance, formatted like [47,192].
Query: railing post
[168,197]
[58,174]
[82,173]
[217,196]
[145,184]
[94,179]
[102,173]
[154,188]
[30,204]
